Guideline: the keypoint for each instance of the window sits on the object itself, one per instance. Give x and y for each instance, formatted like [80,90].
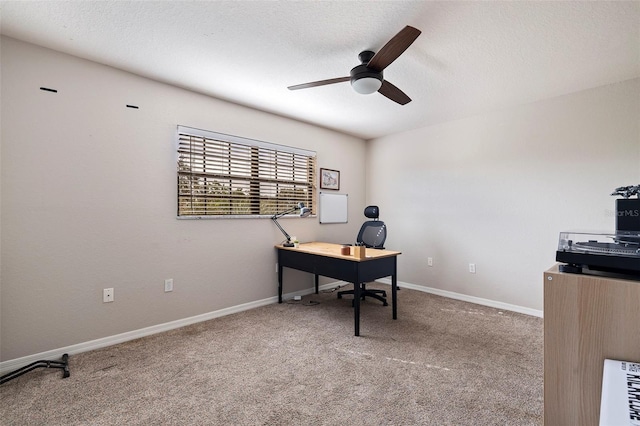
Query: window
[223,175]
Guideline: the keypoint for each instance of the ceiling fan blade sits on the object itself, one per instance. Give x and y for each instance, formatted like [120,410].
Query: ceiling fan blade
[392,92]
[319,83]
[394,48]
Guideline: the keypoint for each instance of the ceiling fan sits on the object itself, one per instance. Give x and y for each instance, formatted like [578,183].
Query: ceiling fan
[367,77]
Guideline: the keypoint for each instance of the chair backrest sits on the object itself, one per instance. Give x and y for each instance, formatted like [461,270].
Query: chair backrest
[373,233]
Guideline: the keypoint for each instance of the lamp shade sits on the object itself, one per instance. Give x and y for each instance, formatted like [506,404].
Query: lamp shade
[305,211]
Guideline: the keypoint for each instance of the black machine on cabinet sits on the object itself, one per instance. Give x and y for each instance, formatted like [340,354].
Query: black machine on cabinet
[614,252]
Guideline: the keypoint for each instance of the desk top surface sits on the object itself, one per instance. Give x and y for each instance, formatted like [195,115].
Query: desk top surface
[333,250]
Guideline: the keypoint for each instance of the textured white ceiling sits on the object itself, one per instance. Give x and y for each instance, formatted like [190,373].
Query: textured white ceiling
[472,57]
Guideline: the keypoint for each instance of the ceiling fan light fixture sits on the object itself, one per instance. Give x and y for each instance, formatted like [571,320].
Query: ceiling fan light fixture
[367,77]
[366,85]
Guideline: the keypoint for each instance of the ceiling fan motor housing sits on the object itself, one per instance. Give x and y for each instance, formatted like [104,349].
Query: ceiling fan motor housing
[364,79]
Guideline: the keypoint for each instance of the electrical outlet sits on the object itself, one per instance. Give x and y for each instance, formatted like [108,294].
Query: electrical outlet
[168,285]
[430,261]
[472,268]
[107,295]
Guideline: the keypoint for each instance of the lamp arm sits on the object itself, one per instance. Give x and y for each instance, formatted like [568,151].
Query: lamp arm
[279,215]
[274,218]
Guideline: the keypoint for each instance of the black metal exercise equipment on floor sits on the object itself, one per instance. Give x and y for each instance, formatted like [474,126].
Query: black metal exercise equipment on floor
[64,365]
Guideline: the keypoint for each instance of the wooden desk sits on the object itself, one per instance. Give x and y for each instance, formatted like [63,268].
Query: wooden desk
[325,259]
[587,318]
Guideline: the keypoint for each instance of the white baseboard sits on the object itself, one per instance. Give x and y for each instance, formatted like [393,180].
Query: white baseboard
[55,354]
[467,298]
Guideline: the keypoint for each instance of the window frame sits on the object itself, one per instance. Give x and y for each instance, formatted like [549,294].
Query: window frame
[257,173]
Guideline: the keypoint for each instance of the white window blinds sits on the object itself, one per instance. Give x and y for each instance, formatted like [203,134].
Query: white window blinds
[224,175]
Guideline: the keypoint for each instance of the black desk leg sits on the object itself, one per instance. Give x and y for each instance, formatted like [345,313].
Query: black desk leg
[394,295]
[317,280]
[394,288]
[279,282]
[356,305]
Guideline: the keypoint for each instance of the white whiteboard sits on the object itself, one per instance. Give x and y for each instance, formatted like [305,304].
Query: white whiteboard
[333,208]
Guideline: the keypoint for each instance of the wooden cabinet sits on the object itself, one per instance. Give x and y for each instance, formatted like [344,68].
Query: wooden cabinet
[587,318]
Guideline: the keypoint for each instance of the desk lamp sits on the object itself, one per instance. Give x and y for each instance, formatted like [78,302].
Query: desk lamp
[304,212]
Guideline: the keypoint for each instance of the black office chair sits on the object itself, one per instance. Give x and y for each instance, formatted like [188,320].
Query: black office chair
[372,234]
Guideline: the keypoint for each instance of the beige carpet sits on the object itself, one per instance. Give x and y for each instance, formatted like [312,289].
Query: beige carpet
[443,362]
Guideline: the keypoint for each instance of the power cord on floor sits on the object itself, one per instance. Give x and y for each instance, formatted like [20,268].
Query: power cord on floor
[302,303]
[331,290]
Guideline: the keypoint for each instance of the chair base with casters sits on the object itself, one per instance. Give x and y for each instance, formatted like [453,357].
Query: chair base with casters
[365,292]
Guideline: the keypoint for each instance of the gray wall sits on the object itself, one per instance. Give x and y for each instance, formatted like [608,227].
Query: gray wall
[89,202]
[496,189]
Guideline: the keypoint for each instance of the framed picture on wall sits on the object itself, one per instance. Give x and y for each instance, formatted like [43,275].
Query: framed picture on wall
[329,179]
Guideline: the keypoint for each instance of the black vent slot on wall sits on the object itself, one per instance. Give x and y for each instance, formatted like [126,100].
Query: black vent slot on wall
[46,89]
[132,106]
